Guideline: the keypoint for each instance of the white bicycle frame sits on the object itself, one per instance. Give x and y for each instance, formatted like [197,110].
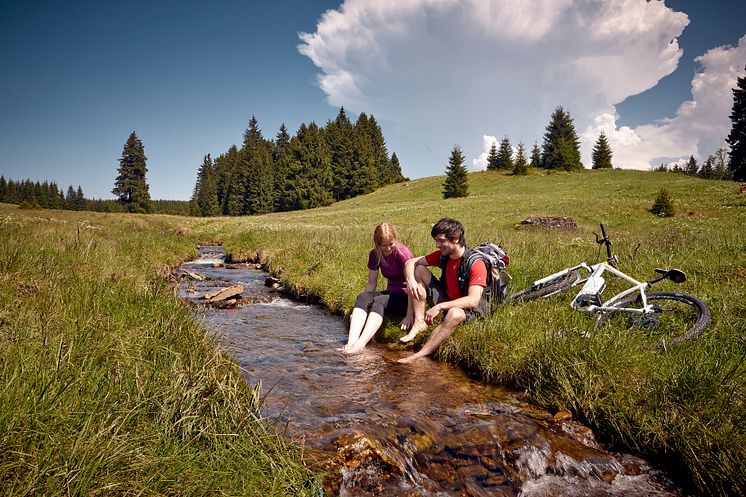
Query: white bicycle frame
[608,306]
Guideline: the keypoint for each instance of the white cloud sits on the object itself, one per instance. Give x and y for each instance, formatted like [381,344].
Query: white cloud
[699,127]
[441,72]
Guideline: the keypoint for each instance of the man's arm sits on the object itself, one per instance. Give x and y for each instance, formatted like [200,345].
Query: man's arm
[470,301]
[413,288]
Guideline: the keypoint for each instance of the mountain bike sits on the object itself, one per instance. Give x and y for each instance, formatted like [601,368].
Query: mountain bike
[668,317]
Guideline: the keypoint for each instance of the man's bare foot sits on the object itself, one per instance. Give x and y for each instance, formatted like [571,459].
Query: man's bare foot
[408,359]
[416,328]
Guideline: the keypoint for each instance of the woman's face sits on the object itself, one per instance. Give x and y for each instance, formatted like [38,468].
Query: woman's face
[387,247]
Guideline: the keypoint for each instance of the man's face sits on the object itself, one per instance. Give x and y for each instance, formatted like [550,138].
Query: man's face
[446,246]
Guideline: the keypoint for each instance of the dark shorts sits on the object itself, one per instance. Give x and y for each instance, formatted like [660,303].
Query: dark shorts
[436,294]
[383,302]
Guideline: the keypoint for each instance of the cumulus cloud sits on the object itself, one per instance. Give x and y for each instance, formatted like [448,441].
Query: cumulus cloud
[699,127]
[437,73]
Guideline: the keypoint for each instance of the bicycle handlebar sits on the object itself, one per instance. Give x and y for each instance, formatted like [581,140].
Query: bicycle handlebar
[607,242]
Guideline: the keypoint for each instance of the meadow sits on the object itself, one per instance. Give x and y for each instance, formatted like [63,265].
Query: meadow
[110,386]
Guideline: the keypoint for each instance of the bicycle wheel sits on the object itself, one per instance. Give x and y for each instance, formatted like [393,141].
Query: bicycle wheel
[558,284]
[676,317]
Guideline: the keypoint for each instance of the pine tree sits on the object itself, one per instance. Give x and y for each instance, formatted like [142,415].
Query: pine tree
[737,136]
[456,183]
[708,168]
[535,156]
[130,186]
[561,149]
[505,155]
[691,167]
[602,153]
[492,160]
[520,166]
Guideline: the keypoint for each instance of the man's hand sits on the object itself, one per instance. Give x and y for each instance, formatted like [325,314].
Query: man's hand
[415,290]
[432,313]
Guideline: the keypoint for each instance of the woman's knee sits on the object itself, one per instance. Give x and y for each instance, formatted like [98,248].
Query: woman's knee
[379,304]
[365,300]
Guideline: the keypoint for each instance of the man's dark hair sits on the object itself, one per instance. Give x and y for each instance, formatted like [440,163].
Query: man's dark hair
[452,229]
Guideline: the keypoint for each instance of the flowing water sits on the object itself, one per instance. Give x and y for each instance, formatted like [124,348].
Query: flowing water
[422,429]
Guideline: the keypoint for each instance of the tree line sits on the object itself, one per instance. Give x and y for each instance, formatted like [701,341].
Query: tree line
[314,167]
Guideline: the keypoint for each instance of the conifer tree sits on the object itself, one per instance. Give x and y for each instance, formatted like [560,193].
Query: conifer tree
[708,168]
[309,179]
[663,205]
[232,183]
[456,183]
[561,149]
[396,169]
[281,149]
[535,156]
[131,187]
[492,159]
[340,139]
[505,155]
[365,172]
[691,167]
[520,166]
[205,197]
[3,189]
[256,159]
[721,164]
[737,136]
[602,153]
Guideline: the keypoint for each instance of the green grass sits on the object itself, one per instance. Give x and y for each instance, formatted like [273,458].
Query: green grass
[684,409]
[107,384]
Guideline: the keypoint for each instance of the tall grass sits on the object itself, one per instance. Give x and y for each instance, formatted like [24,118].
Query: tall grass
[684,408]
[107,384]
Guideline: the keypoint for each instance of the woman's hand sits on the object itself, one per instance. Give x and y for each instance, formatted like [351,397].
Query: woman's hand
[407,322]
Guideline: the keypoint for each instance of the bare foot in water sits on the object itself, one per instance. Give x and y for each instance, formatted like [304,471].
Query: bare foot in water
[416,328]
[408,359]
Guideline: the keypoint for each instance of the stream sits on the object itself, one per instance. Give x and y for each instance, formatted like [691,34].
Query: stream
[383,428]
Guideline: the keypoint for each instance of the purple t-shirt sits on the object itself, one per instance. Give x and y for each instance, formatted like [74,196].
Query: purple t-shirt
[392,267]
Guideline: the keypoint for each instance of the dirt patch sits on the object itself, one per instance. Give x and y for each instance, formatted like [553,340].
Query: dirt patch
[551,222]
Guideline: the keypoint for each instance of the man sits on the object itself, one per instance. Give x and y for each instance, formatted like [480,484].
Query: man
[457,293]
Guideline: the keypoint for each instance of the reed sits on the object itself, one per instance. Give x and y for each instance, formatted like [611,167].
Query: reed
[107,383]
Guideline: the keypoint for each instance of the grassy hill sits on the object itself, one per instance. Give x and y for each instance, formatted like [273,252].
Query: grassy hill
[108,386]
[684,408]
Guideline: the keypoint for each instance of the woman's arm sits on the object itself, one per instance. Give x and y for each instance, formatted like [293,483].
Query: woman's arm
[372,281]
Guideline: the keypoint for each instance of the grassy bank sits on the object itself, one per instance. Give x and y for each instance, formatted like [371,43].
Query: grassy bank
[684,409]
[107,384]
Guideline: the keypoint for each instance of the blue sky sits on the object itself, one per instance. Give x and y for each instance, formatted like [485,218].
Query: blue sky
[186,76]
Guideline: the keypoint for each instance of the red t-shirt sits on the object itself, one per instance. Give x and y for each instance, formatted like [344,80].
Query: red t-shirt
[477,275]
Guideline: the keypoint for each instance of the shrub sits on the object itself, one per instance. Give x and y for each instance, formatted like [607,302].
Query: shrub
[663,205]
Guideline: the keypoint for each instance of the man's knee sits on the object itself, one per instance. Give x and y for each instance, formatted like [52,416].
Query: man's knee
[422,275]
[455,316]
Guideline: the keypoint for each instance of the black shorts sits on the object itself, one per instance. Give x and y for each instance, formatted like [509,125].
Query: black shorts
[383,302]
[436,294]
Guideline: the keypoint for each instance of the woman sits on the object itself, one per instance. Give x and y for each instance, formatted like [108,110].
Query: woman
[388,256]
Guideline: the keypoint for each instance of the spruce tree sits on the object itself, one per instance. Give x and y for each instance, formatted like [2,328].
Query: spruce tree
[281,149]
[456,183]
[309,180]
[205,198]
[737,136]
[691,166]
[708,168]
[505,155]
[602,153]
[535,156]
[721,164]
[340,138]
[492,160]
[663,205]
[131,187]
[561,148]
[396,169]
[257,166]
[3,189]
[365,172]
[520,166]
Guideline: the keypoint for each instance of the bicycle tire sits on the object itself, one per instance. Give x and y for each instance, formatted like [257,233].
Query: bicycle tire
[680,315]
[558,284]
